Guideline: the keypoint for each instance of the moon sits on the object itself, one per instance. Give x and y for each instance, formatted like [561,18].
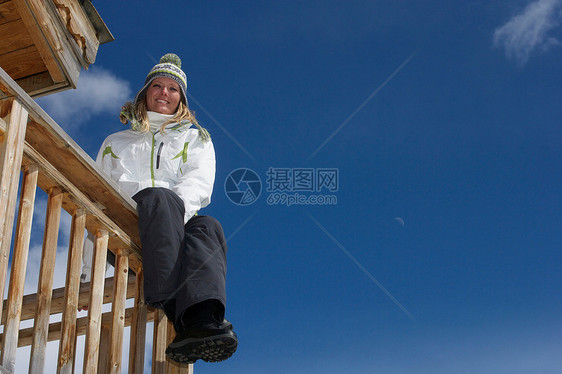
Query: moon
[399,220]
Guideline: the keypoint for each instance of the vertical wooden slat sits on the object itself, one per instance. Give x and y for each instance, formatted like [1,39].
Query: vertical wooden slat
[74,355]
[170,333]
[138,327]
[103,358]
[173,367]
[159,343]
[45,286]
[11,153]
[19,263]
[91,350]
[118,310]
[67,347]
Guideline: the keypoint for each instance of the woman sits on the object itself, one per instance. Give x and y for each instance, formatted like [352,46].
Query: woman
[166,162]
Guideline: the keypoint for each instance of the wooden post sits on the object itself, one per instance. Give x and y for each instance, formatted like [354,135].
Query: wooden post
[170,333]
[19,264]
[67,347]
[159,343]
[91,351]
[173,367]
[103,358]
[118,310]
[138,327]
[11,153]
[45,286]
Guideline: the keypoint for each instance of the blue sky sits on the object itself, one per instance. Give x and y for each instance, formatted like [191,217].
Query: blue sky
[442,253]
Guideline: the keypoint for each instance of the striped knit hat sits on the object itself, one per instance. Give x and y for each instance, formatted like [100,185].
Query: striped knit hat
[169,67]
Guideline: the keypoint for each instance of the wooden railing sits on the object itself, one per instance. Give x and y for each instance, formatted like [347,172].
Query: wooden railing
[35,148]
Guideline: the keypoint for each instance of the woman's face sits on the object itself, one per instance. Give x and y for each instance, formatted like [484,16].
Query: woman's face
[163,96]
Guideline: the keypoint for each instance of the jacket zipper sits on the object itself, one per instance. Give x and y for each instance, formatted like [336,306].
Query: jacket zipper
[158,155]
[152,159]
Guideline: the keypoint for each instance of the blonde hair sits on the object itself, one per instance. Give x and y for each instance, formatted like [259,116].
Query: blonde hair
[138,117]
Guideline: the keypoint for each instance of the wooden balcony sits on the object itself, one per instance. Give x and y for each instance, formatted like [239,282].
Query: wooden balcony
[35,148]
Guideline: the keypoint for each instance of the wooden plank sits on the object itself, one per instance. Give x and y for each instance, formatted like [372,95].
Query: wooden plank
[67,348]
[103,359]
[3,370]
[41,84]
[91,350]
[159,343]
[57,302]
[173,367]
[25,335]
[45,284]
[170,333]
[80,29]
[8,12]
[14,36]
[44,34]
[11,153]
[23,62]
[19,264]
[118,311]
[138,327]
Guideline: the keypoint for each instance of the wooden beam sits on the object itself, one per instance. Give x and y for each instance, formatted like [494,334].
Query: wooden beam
[22,62]
[8,12]
[29,303]
[159,343]
[138,326]
[173,367]
[19,264]
[25,335]
[41,84]
[118,312]
[67,346]
[11,153]
[14,36]
[103,358]
[45,285]
[80,29]
[91,350]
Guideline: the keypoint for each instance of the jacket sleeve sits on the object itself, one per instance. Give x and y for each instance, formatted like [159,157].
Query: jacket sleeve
[196,177]
[105,147]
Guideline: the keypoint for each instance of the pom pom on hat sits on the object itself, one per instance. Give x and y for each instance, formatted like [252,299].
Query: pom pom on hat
[171,58]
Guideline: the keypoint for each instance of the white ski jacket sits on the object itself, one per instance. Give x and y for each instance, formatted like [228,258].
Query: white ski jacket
[176,159]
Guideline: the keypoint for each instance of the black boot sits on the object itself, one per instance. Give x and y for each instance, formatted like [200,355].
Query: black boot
[206,335]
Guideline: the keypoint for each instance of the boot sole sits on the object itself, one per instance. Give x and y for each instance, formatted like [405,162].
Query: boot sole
[214,348]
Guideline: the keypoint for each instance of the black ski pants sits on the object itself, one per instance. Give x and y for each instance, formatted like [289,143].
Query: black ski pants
[183,264]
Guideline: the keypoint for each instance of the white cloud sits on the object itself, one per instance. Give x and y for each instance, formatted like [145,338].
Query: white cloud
[98,91]
[530,31]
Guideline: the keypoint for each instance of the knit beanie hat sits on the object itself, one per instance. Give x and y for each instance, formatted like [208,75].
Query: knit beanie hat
[169,67]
